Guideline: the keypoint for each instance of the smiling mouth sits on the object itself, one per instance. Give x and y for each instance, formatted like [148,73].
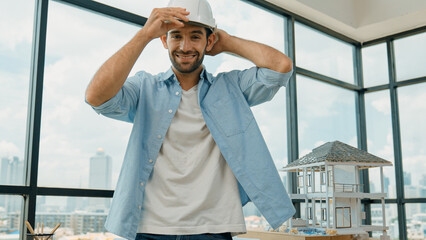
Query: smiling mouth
[185,56]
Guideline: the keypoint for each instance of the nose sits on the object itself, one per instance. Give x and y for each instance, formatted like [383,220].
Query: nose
[185,45]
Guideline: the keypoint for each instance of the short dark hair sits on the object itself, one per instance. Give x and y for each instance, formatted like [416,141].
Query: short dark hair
[208,32]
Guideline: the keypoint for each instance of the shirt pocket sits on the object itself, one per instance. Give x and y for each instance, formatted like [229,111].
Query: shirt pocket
[231,115]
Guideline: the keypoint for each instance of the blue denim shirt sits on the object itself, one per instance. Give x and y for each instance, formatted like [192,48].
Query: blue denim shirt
[150,102]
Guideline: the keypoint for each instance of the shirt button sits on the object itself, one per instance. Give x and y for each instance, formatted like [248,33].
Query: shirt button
[140,207]
[170,110]
[159,136]
[150,161]
[142,183]
[177,93]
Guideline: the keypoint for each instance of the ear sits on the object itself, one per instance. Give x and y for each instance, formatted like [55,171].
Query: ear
[210,42]
[164,41]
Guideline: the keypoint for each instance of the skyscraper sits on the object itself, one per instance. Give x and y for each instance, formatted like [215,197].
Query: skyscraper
[407,178]
[11,173]
[100,178]
[16,171]
[4,166]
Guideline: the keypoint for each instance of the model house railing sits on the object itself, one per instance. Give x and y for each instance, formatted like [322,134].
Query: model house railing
[344,187]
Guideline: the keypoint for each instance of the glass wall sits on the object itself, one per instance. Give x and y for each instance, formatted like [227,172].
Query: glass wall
[412,109]
[382,132]
[326,113]
[320,53]
[80,217]
[409,57]
[416,220]
[80,149]
[10,216]
[16,18]
[75,144]
[391,215]
[380,139]
[375,65]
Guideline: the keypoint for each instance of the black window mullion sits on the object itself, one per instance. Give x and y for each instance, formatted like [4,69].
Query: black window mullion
[361,125]
[291,106]
[34,109]
[396,130]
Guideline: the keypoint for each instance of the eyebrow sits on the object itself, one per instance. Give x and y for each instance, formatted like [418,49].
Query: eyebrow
[195,31]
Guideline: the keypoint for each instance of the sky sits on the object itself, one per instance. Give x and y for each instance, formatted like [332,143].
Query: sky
[78,42]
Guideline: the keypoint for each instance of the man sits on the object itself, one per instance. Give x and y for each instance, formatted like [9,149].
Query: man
[195,154]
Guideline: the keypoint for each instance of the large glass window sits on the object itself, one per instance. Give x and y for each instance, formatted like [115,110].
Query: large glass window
[375,65]
[380,139]
[412,114]
[323,54]
[416,220]
[326,113]
[80,217]
[391,219]
[16,25]
[79,148]
[10,216]
[409,57]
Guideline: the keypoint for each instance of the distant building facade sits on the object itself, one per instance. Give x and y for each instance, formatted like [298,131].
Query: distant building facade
[100,177]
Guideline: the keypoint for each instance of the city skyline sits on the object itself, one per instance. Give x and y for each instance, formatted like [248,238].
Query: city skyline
[70,130]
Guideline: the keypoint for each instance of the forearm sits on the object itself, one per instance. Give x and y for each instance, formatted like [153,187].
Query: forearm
[261,55]
[111,76]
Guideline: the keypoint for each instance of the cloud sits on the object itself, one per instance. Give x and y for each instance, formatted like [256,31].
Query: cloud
[8,149]
[322,54]
[382,105]
[16,19]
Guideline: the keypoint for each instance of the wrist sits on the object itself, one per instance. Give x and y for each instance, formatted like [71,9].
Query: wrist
[144,36]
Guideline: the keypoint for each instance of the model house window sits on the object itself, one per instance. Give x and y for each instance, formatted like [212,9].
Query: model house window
[323,178]
[300,181]
[323,214]
[343,217]
[310,217]
[330,178]
[309,180]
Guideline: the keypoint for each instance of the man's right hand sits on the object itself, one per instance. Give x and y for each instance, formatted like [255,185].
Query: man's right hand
[163,20]
[111,76]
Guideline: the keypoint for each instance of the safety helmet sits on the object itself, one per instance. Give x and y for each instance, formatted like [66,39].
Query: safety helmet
[200,12]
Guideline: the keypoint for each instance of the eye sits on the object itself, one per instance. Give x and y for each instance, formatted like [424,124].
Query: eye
[176,36]
[196,37]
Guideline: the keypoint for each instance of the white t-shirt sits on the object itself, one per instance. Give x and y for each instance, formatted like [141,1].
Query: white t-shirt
[191,189]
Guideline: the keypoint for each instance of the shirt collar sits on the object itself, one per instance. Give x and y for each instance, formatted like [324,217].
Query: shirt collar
[170,75]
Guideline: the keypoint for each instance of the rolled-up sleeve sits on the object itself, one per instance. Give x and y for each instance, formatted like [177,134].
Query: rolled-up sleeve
[261,84]
[123,105]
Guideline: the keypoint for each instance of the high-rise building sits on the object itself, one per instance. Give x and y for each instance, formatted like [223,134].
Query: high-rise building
[423,180]
[407,178]
[11,173]
[4,166]
[100,178]
[16,171]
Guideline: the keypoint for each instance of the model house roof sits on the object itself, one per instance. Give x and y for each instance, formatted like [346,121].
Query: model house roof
[338,153]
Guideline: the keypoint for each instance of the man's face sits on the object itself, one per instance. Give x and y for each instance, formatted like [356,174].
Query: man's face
[187,46]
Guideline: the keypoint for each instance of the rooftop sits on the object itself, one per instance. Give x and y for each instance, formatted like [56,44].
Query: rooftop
[336,153]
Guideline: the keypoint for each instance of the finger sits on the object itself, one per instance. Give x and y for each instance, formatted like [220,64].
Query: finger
[171,19]
[178,15]
[177,9]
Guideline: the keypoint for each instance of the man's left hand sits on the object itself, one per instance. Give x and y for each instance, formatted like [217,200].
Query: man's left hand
[220,42]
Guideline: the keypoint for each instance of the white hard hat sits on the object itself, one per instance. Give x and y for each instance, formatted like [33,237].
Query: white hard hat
[200,11]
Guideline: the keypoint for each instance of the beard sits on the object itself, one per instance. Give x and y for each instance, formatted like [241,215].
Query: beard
[186,67]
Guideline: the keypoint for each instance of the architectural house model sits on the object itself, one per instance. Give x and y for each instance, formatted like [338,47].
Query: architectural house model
[328,181]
